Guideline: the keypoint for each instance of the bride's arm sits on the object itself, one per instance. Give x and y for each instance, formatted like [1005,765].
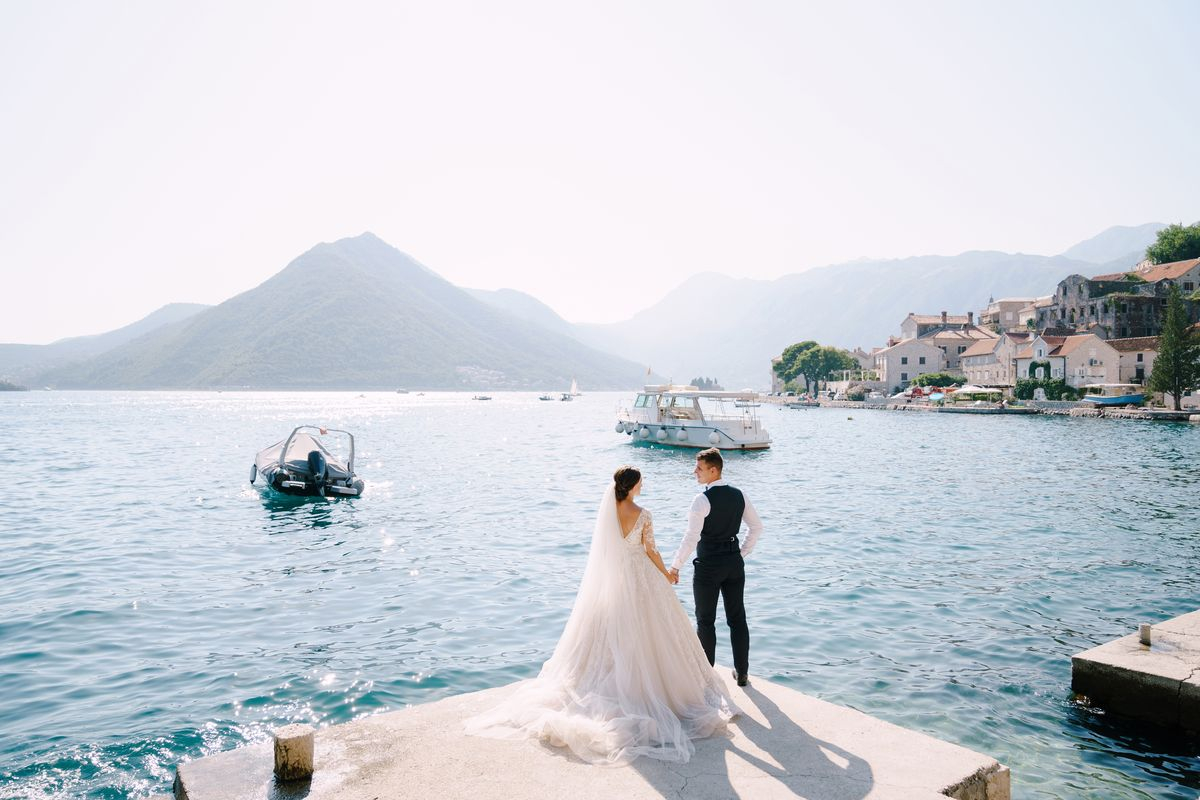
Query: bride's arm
[652,551]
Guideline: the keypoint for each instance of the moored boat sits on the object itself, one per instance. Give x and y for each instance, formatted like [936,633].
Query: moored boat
[685,416]
[1114,394]
[302,464]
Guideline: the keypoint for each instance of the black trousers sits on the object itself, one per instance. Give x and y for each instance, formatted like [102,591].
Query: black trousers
[722,574]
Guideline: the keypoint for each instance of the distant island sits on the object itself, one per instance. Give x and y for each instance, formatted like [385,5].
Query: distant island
[5,386]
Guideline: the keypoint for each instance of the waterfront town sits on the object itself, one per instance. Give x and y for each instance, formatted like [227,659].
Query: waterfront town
[1092,331]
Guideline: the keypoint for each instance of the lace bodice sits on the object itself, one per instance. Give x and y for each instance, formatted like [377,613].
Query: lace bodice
[643,531]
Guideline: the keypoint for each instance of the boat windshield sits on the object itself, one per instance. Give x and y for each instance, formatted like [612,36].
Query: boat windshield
[643,400]
[682,408]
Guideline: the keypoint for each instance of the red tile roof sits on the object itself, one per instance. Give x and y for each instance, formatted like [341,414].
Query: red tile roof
[1172,271]
[982,347]
[1135,344]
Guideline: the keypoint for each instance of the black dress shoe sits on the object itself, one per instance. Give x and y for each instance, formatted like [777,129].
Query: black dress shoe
[742,678]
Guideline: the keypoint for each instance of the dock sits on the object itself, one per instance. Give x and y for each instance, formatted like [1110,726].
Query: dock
[784,745]
[1158,682]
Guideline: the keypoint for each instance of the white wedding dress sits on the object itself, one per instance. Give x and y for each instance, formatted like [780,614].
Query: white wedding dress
[628,677]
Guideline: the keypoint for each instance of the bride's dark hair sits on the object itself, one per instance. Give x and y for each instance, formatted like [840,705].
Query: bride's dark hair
[624,479]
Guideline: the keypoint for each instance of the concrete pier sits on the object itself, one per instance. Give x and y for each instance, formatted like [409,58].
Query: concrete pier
[785,745]
[1159,682]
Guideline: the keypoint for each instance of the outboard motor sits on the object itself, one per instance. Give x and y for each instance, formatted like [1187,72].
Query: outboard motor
[316,466]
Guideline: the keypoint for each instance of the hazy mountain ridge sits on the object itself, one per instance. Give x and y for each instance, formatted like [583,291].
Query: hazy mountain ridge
[1116,243]
[716,325]
[23,361]
[359,314]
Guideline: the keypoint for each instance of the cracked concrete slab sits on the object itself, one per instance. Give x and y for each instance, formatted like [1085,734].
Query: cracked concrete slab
[785,745]
[1159,683]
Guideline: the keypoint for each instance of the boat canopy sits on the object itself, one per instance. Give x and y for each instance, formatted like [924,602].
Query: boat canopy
[695,391]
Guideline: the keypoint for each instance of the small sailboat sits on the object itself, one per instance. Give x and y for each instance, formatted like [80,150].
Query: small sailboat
[571,393]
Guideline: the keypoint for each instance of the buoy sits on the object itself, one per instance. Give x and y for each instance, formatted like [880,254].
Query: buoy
[620,427]
[644,433]
[682,435]
[253,472]
[714,438]
[661,435]
[629,426]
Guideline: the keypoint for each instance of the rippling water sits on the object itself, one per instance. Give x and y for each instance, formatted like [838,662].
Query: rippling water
[936,571]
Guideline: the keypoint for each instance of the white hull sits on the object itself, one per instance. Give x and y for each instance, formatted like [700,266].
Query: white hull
[687,417]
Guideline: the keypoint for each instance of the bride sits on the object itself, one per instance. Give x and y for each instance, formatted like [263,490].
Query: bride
[628,677]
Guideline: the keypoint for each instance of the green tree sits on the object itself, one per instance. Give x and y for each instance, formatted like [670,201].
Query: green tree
[938,379]
[1175,368]
[787,368]
[819,364]
[1175,243]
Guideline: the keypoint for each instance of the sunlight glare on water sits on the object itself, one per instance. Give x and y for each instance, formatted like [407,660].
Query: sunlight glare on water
[936,571]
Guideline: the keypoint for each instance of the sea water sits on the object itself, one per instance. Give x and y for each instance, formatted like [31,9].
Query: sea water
[935,571]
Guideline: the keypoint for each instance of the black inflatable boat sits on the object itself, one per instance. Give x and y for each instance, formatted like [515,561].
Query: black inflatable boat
[302,464]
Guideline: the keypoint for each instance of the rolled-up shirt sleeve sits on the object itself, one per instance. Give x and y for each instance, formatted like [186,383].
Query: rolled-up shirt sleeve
[754,522]
[696,514]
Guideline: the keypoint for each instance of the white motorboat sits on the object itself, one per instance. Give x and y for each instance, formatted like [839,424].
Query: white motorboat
[685,416]
[1114,394]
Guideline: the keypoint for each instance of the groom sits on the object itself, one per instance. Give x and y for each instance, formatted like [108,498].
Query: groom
[714,521]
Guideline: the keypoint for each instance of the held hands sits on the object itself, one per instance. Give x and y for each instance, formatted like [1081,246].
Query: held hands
[672,576]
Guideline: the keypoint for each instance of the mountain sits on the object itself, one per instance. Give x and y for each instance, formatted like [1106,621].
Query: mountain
[21,361]
[1120,243]
[731,328]
[358,314]
[526,307]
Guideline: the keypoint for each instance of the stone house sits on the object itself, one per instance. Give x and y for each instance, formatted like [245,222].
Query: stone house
[899,364]
[1079,360]
[1136,358]
[1004,314]
[1122,305]
[980,364]
[954,342]
[1028,315]
[915,326]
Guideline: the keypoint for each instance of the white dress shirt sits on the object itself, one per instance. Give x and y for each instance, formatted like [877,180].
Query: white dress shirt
[697,513]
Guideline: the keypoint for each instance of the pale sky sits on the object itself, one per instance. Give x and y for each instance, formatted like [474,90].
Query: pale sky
[592,154]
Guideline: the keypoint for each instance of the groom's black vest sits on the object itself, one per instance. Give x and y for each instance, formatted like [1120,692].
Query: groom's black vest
[724,520]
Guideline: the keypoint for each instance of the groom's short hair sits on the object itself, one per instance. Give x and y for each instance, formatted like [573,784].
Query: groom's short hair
[712,457]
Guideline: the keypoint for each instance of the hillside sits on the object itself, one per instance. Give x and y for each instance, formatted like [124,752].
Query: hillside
[358,314]
[22,361]
[716,325]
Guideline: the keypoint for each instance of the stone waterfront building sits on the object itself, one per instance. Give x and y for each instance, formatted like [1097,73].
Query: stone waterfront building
[1122,305]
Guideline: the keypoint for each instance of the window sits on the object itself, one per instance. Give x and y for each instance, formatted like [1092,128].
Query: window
[921,360]
[1188,286]
[903,359]
[961,348]
[641,401]
[903,376]
[1139,358]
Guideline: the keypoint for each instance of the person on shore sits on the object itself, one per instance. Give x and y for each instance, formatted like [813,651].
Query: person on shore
[714,523]
[628,678]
